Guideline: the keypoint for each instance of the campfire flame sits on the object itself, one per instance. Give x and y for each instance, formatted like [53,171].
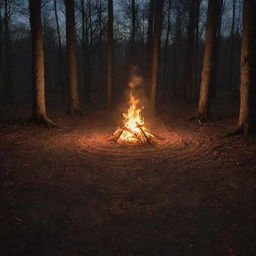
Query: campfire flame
[133,130]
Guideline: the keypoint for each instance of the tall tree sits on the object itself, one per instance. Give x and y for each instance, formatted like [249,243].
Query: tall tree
[110,54]
[166,56]
[191,51]
[1,63]
[149,43]
[74,105]
[8,49]
[176,48]
[216,51]
[156,41]
[133,34]
[247,116]
[232,48]
[209,59]
[39,115]
[60,64]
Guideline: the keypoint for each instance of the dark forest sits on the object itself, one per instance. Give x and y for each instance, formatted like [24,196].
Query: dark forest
[127,127]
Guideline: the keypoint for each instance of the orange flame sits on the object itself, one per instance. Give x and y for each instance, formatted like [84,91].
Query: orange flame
[133,127]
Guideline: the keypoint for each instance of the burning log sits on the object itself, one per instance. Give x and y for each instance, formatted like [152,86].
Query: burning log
[144,134]
[118,134]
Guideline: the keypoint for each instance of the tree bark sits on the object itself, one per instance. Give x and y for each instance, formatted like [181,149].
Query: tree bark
[132,45]
[1,59]
[156,41]
[110,54]
[166,56]
[60,65]
[247,115]
[74,105]
[232,48]
[213,91]
[209,59]
[8,49]
[190,56]
[149,44]
[39,115]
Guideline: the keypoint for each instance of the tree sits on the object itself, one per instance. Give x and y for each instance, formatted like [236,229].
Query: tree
[60,65]
[217,50]
[8,93]
[110,54]
[232,48]
[191,51]
[133,32]
[39,115]
[74,105]
[247,116]
[166,56]
[209,59]
[149,43]
[156,41]
[1,63]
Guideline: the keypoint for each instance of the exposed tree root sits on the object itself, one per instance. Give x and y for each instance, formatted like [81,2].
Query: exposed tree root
[42,121]
[235,132]
[245,130]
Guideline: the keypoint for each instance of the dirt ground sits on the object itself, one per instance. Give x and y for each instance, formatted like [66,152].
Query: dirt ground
[70,191]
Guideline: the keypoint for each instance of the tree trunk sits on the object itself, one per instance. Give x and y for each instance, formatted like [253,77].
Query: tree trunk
[110,54]
[133,33]
[232,49]
[86,54]
[60,65]
[156,41]
[149,44]
[209,59]
[176,51]
[166,56]
[1,59]
[190,56]
[247,116]
[213,91]
[8,49]
[39,115]
[74,105]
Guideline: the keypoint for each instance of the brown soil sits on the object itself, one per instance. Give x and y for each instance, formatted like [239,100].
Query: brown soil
[71,191]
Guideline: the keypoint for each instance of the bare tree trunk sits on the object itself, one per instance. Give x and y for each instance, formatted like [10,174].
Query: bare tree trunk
[110,54]
[190,56]
[232,49]
[209,59]
[156,41]
[89,56]
[133,33]
[166,57]
[176,51]
[86,54]
[60,66]
[1,59]
[74,105]
[216,52]
[149,44]
[39,115]
[8,48]
[247,116]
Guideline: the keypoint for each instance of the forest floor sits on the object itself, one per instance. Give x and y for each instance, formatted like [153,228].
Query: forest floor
[70,191]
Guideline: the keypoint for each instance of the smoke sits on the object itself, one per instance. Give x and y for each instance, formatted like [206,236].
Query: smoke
[136,80]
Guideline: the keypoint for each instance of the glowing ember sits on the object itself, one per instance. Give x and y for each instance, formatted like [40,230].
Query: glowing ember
[133,130]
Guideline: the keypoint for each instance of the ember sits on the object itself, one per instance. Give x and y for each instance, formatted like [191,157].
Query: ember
[133,130]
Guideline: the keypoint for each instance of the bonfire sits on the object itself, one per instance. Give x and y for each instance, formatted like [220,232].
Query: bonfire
[133,130]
